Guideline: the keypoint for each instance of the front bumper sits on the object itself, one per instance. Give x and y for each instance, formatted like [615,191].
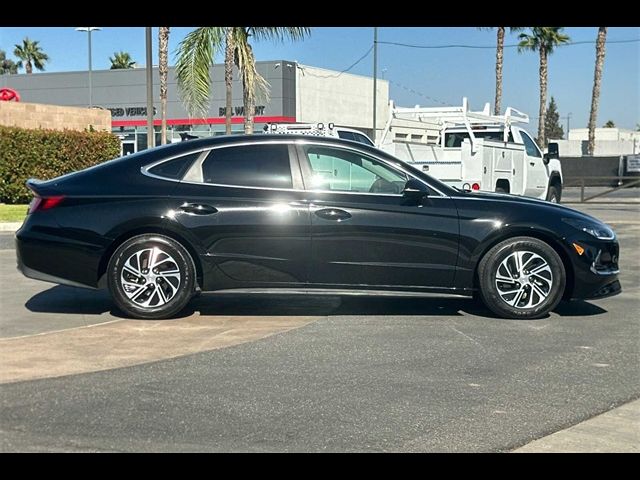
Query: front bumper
[596,269]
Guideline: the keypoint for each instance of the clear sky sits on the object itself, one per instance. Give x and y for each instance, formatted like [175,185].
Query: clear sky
[418,76]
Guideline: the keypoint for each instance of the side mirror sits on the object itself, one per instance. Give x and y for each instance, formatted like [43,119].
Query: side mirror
[414,189]
[553,152]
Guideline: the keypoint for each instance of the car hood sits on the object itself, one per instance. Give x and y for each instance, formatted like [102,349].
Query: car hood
[520,201]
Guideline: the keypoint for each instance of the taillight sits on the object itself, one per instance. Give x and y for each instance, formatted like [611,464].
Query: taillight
[475,186]
[40,203]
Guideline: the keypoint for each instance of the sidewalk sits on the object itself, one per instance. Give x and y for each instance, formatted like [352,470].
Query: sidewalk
[615,431]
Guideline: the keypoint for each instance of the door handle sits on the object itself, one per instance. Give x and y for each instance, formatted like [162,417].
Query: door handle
[333,214]
[533,164]
[198,209]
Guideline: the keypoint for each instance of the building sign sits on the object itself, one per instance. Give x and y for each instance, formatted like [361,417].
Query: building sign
[633,163]
[239,111]
[9,94]
[130,111]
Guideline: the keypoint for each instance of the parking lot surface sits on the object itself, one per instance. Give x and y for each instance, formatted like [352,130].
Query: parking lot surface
[310,373]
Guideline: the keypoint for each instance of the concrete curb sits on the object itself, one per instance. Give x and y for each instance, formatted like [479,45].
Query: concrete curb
[10,226]
[615,431]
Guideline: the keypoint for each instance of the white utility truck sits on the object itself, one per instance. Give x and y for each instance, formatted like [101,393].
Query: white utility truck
[469,150]
[473,150]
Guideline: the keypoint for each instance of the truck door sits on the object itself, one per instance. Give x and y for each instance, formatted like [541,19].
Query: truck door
[536,180]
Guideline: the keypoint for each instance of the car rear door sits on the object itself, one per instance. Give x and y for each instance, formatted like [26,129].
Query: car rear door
[244,204]
[364,232]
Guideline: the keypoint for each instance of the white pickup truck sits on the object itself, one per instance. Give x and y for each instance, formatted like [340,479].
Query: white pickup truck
[474,150]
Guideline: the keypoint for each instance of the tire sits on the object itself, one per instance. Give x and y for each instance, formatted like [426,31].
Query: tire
[554,194]
[137,290]
[536,294]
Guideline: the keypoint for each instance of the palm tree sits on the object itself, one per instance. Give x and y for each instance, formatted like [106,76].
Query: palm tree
[30,55]
[195,58]
[543,40]
[163,69]
[499,61]
[121,61]
[595,96]
[609,124]
[7,66]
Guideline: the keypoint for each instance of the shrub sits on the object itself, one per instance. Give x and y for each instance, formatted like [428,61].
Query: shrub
[46,154]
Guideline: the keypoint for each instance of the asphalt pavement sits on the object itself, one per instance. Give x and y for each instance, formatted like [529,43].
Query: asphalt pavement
[360,374]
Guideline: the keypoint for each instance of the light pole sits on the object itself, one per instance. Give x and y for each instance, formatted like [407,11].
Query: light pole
[568,123]
[375,79]
[89,30]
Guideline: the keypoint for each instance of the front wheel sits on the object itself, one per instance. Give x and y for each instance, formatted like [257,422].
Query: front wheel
[521,278]
[554,193]
[151,277]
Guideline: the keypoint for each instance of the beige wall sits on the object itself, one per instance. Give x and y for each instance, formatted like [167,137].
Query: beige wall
[54,117]
[346,100]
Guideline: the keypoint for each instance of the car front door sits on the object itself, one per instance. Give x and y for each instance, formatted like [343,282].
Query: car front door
[536,185]
[365,232]
[246,207]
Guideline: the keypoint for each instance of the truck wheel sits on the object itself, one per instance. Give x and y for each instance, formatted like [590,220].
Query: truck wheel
[553,195]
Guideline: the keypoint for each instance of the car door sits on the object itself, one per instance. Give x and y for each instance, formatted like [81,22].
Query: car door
[536,184]
[245,205]
[365,232]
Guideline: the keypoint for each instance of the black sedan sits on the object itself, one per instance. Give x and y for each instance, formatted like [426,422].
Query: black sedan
[252,213]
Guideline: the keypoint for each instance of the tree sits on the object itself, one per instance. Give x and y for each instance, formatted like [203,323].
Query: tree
[499,62]
[609,124]
[552,128]
[121,61]
[543,40]
[30,55]
[595,96]
[163,69]
[7,66]
[195,58]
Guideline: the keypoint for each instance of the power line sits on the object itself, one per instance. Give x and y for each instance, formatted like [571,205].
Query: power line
[492,47]
[411,90]
[342,71]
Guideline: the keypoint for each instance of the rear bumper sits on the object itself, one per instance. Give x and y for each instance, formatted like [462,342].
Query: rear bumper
[53,254]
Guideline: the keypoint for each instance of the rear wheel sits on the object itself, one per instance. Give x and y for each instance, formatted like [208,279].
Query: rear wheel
[522,277]
[151,277]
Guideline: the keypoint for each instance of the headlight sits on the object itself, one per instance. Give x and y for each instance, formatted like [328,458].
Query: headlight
[598,230]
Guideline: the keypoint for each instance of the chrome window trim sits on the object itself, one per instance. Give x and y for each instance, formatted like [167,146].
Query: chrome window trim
[300,141]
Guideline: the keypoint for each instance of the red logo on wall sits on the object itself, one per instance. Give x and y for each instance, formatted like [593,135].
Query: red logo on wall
[8,94]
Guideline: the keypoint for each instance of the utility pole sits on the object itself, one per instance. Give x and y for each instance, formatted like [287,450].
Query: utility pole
[150,133]
[568,123]
[375,79]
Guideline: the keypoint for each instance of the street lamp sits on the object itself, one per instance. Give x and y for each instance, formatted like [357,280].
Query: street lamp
[89,30]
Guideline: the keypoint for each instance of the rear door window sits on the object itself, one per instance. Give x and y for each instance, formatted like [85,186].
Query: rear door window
[174,169]
[266,166]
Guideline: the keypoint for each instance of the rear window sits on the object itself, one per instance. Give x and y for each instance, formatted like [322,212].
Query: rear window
[455,139]
[249,165]
[176,168]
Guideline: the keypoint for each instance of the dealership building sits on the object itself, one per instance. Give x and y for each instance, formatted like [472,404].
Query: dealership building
[298,93]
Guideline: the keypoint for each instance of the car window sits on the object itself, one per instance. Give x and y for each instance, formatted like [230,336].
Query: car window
[249,165]
[362,139]
[176,168]
[530,146]
[346,171]
[346,135]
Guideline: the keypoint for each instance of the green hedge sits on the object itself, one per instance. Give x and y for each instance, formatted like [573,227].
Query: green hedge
[46,154]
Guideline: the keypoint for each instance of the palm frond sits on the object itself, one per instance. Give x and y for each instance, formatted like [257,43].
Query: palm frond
[195,58]
[279,33]
[256,85]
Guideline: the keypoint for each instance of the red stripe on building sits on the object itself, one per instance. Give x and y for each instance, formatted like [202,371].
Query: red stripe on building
[200,121]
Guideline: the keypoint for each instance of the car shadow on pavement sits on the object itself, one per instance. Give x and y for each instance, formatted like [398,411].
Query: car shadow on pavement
[70,300]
